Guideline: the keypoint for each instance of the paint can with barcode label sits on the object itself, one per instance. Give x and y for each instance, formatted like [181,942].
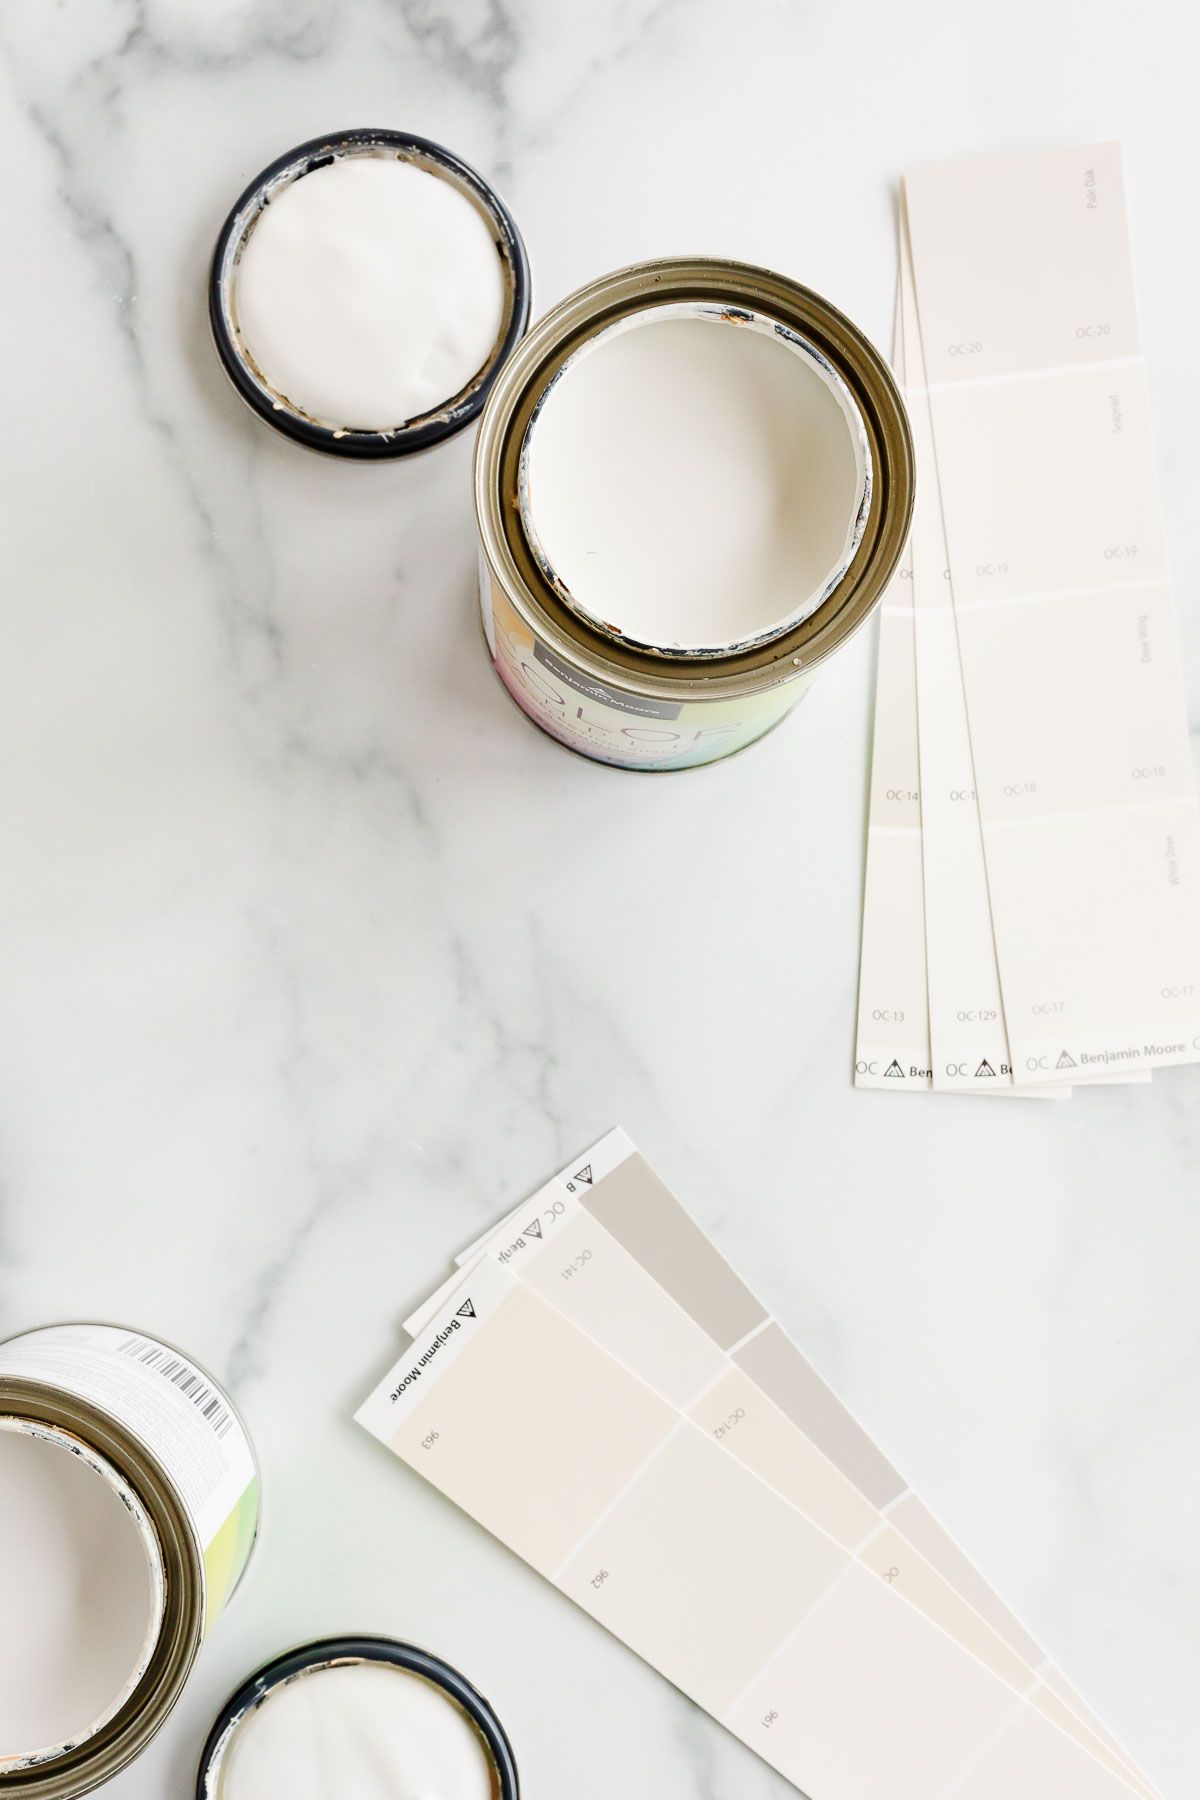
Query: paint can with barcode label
[129,1507]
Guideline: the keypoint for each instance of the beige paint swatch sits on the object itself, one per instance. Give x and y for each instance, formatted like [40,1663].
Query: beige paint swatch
[695,1563]
[579,1237]
[892,1045]
[929,1011]
[563,1252]
[968,1039]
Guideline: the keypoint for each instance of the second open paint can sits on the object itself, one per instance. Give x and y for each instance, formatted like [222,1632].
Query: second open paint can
[591,682]
[152,1437]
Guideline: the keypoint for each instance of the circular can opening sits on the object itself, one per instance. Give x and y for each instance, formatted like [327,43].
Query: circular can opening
[364,292]
[81,1572]
[361,1716]
[695,479]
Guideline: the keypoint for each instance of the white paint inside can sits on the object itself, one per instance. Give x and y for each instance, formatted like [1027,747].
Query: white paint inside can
[81,1578]
[369,292]
[357,1731]
[695,480]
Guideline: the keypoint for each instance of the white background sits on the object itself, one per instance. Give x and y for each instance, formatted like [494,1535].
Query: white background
[316,956]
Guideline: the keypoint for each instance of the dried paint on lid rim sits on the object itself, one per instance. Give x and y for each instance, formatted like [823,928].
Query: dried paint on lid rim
[410,435]
[341,1652]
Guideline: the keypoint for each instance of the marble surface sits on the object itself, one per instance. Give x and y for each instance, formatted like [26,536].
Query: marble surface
[316,956]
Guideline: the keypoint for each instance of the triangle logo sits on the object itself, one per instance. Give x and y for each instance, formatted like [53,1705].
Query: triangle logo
[893,1071]
[1065,1062]
[584,1174]
[534,1228]
[985,1068]
[465,1311]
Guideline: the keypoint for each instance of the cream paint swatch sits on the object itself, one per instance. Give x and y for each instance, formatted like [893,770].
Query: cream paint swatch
[1066,632]
[967,1035]
[710,1351]
[648,1222]
[892,1046]
[697,1565]
[930,1007]
[557,1245]
[967,1032]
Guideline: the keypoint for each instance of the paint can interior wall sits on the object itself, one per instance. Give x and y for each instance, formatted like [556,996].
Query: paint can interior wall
[695,479]
[81,1606]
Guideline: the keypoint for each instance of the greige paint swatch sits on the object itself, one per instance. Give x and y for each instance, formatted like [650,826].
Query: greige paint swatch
[786,1375]
[644,1214]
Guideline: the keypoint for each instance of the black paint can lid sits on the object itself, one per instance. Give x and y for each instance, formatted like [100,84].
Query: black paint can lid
[407,436]
[337,1652]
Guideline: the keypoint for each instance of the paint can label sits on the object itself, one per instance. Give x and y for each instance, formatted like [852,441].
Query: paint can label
[617,725]
[182,1417]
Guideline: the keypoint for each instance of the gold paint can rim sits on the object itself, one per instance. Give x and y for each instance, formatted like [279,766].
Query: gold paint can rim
[518,392]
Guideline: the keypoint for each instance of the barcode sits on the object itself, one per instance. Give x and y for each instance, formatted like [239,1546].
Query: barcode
[184,1377]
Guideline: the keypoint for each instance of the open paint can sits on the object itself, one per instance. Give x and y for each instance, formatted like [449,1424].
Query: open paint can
[129,1506]
[386,1718]
[364,292]
[693,480]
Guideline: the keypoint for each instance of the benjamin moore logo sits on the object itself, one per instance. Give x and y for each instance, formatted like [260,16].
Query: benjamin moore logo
[465,1311]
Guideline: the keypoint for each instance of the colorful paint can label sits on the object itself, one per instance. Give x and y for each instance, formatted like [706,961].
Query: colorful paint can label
[178,1413]
[618,725]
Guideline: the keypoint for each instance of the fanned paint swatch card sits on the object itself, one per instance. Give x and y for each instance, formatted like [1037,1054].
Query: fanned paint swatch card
[682,1472]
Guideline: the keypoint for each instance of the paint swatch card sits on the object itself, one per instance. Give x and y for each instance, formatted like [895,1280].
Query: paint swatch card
[967,1035]
[656,1288]
[609,1245]
[892,1044]
[892,1047]
[929,1009]
[1069,658]
[709,1450]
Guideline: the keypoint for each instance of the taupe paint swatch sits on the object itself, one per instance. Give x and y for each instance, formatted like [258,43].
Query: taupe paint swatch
[644,1215]
[788,1378]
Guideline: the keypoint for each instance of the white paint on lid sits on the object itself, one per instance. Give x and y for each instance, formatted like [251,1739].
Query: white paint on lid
[357,1731]
[694,482]
[81,1596]
[369,292]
